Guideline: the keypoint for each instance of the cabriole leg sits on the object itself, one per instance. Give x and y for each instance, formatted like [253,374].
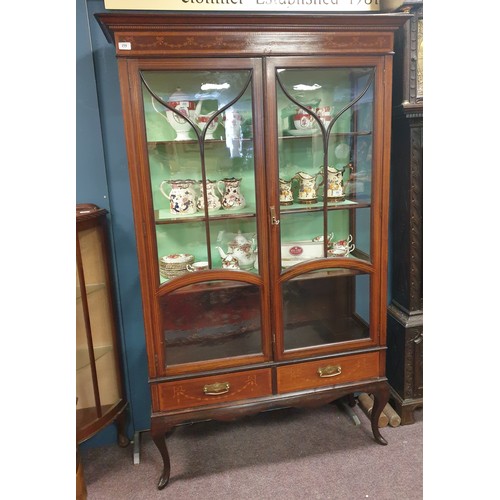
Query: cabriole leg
[381,398]
[158,432]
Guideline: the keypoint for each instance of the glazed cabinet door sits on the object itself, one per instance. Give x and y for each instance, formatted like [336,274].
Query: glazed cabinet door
[325,201]
[199,193]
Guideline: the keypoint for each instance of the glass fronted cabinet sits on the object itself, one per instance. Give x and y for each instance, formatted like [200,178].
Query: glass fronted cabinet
[100,398]
[259,176]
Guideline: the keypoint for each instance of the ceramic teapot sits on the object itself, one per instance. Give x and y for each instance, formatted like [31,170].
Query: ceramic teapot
[335,183]
[229,261]
[182,196]
[232,198]
[308,187]
[186,107]
[242,249]
[213,201]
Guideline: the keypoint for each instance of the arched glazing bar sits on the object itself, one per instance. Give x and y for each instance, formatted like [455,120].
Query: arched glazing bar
[325,133]
[200,135]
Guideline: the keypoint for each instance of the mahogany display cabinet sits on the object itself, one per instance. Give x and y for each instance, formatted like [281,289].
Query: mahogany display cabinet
[99,388]
[259,152]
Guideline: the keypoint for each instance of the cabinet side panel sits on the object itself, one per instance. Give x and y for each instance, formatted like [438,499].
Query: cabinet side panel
[130,123]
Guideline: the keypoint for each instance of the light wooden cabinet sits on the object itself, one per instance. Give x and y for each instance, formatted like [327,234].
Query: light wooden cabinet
[99,388]
[259,151]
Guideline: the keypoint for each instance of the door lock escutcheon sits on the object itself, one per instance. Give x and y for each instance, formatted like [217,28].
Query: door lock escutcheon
[274,220]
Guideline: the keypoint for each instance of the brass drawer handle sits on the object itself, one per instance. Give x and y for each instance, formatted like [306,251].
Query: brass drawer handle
[329,371]
[216,389]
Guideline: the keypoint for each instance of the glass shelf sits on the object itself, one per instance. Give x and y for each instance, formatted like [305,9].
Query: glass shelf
[287,135]
[294,134]
[290,263]
[163,216]
[318,207]
[82,355]
[90,288]
[354,256]
[195,141]
[211,284]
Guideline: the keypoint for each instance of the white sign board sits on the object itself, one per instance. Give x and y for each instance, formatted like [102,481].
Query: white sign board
[247,5]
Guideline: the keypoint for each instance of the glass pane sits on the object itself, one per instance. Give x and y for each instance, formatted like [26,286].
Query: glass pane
[325,307]
[201,157]
[217,319]
[361,233]
[101,329]
[325,123]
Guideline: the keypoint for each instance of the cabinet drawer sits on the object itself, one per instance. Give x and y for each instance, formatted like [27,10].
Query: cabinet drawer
[214,389]
[332,371]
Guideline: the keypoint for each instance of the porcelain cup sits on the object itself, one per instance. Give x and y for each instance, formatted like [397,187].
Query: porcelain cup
[341,248]
[198,266]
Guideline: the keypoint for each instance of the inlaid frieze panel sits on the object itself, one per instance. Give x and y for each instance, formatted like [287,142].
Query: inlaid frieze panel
[251,42]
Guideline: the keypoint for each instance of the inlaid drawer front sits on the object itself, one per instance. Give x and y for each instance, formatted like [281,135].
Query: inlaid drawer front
[214,389]
[332,371]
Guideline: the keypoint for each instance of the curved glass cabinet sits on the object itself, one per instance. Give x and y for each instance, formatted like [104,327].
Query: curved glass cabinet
[259,163]
[100,398]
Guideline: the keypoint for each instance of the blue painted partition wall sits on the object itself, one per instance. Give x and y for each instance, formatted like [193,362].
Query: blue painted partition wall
[102,178]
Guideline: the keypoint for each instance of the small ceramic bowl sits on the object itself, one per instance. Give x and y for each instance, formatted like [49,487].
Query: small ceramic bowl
[303,121]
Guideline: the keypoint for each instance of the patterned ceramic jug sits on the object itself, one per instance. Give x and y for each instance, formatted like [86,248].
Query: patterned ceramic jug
[213,201]
[286,195]
[308,187]
[232,198]
[182,196]
[335,187]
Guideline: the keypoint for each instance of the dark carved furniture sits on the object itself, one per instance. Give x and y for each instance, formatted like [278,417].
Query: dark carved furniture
[99,389]
[292,114]
[405,313]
